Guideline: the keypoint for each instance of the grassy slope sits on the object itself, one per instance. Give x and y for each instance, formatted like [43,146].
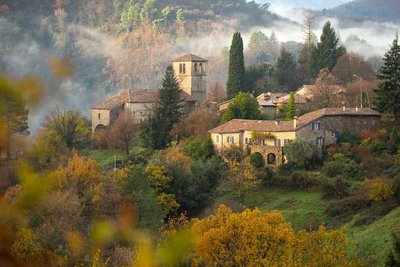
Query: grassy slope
[305,209]
[106,157]
[373,241]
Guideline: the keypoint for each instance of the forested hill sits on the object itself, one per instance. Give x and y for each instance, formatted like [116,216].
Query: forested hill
[382,10]
[120,43]
[97,12]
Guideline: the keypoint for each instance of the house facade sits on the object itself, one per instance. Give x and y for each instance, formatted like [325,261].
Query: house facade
[190,71]
[321,127]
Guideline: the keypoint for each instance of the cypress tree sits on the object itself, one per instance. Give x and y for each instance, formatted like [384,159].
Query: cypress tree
[168,110]
[236,72]
[291,107]
[388,92]
[327,50]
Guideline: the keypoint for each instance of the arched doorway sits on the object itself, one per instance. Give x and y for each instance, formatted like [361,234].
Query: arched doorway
[100,127]
[271,159]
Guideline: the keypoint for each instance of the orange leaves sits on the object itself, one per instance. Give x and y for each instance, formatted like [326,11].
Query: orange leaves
[80,171]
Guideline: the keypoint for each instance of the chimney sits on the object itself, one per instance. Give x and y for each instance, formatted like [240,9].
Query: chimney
[344,108]
[356,109]
[294,122]
[277,123]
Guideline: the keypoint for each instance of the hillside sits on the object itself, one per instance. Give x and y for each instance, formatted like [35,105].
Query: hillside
[382,11]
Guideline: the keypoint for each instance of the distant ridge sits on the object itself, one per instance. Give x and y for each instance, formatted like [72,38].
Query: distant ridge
[379,10]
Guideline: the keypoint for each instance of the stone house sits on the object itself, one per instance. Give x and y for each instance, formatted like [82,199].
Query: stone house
[140,102]
[190,71]
[321,127]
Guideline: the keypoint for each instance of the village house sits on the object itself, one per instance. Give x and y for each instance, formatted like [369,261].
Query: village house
[190,71]
[271,103]
[267,137]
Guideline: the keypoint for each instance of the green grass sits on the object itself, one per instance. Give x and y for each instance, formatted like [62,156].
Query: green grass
[105,157]
[373,241]
[303,209]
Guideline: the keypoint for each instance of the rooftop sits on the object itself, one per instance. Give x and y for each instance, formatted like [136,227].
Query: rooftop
[190,57]
[238,125]
[135,96]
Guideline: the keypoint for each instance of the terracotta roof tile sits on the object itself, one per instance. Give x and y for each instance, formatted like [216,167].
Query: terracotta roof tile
[136,96]
[190,57]
[237,125]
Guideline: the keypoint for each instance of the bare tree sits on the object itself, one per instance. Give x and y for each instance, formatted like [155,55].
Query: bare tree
[122,132]
[326,93]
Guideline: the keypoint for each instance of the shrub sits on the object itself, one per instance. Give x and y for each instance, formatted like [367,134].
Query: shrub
[302,153]
[345,167]
[233,153]
[338,188]
[378,146]
[380,190]
[257,160]
[199,148]
[349,137]
[302,180]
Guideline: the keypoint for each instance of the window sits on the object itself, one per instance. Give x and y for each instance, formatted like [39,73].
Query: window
[183,68]
[335,134]
[230,139]
[278,142]
[319,141]
[285,141]
[217,139]
[316,126]
[246,140]
[180,68]
[196,69]
[201,68]
[99,116]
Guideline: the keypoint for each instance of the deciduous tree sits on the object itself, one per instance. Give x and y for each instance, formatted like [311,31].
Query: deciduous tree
[243,106]
[122,132]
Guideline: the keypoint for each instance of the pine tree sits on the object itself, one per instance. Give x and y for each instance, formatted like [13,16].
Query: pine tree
[291,107]
[305,56]
[327,51]
[388,92]
[168,110]
[284,67]
[236,72]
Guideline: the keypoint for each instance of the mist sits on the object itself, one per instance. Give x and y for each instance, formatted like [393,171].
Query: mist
[100,57]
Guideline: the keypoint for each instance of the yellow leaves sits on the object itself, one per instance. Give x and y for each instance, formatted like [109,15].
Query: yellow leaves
[101,233]
[80,171]
[26,245]
[168,202]
[61,68]
[159,173]
[175,155]
[75,242]
[380,190]
[257,238]
[33,186]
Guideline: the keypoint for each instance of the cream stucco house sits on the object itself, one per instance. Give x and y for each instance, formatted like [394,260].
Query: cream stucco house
[321,127]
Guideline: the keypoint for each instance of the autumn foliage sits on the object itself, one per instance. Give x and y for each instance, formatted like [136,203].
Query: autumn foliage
[257,238]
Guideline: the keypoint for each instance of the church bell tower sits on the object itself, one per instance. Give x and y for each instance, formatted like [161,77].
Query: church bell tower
[190,71]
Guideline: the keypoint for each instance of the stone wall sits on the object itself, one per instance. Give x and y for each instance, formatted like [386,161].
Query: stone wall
[340,124]
[265,151]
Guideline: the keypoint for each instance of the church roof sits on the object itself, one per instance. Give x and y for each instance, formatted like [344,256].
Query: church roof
[190,57]
[136,96]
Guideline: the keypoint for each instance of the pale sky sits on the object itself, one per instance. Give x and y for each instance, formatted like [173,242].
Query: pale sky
[311,4]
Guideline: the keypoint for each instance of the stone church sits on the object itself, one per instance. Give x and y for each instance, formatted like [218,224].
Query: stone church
[190,71]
